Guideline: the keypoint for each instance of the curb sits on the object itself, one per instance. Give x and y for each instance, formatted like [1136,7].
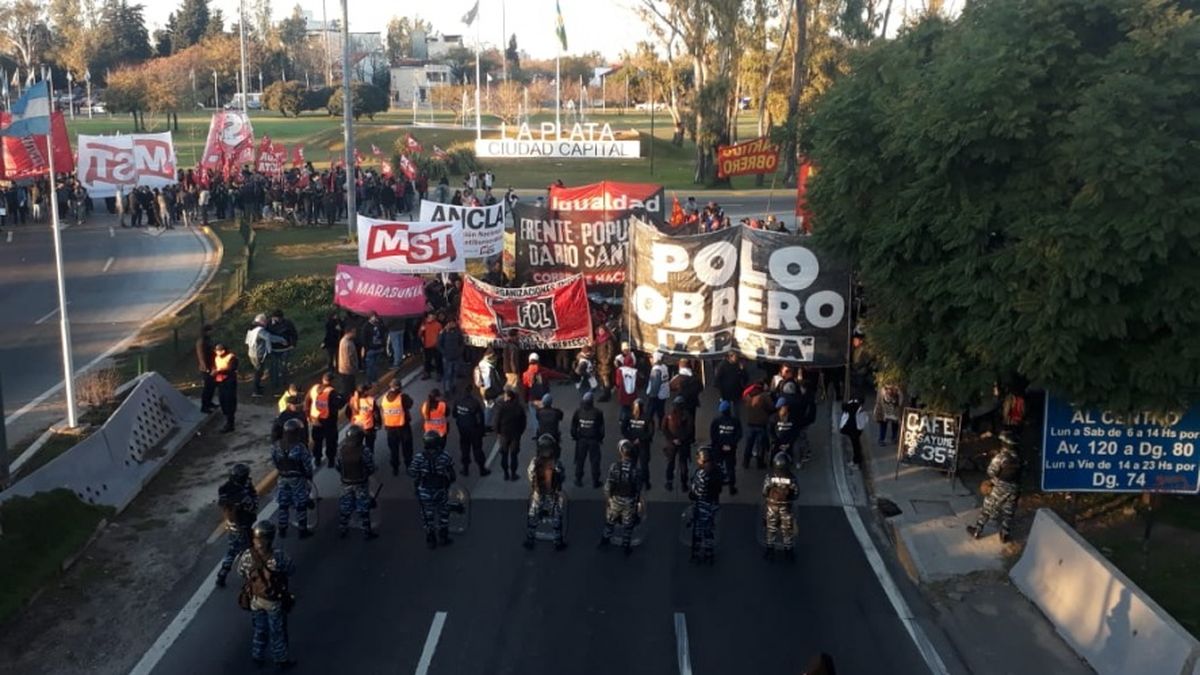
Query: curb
[70,560]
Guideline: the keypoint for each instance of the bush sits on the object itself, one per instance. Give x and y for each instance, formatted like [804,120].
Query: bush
[367,100]
[288,98]
[460,160]
[315,99]
[97,388]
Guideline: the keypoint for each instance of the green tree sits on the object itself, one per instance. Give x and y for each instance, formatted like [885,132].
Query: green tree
[366,99]
[1016,190]
[286,97]
[399,36]
[24,33]
[191,24]
[123,35]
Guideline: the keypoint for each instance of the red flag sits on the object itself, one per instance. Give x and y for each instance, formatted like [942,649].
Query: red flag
[304,180]
[677,217]
[298,155]
[375,150]
[408,168]
[440,154]
[803,214]
[413,145]
[386,168]
[358,158]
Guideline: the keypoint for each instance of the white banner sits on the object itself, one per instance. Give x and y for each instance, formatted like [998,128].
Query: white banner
[410,248]
[107,162]
[558,149]
[483,226]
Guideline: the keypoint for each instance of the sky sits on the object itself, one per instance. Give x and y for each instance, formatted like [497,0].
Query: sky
[607,26]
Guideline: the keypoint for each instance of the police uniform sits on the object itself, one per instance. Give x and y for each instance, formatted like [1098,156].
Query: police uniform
[705,493]
[546,477]
[1001,503]
[395,411]
[779,493]
[323,418]
[355,463]
[364,414]
[268,618]
[639,430]
[469,417]
[239,505]
[295,466]
[725,433]
[622,488]
[433,472]
[783,432]
[225,375]
[587,428]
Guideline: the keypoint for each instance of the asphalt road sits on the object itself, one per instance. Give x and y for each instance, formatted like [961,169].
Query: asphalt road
[370,607]
[118,279]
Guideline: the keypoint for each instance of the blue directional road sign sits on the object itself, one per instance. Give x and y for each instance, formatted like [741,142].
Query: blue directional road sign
[1088,450]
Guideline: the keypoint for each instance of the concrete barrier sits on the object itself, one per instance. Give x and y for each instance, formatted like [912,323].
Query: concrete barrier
[1105,618]
[111,466]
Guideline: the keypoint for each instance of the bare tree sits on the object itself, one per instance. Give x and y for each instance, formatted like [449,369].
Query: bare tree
[23,26]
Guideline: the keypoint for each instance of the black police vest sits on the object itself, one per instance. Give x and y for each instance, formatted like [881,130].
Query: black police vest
[725,429]
[587,426]
[354,470]
[626,483]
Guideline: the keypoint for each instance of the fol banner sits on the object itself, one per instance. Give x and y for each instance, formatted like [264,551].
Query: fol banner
[410,248]
[26,156]
[1094,450]
[545,316]
[681,292]
[482,226]
[755,156]
[556,245]
[929,438]
[791,304]
[106,163]
[230,141]
[363,291]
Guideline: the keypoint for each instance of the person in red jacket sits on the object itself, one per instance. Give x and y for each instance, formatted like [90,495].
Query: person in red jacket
[536,382]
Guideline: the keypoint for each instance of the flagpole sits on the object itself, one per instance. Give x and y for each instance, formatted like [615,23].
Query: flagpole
[504,38]
[88,78]
[68,364]
[348,121]
[478,113]
[558,91]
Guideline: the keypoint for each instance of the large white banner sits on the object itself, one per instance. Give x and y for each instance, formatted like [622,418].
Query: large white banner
[483,226]
[105,163]
[589,140]
[410,247]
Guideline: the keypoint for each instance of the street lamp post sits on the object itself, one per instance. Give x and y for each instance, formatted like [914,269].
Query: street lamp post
[348,121]
[242,46]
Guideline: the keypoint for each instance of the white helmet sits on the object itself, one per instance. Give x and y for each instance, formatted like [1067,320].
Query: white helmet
[533,357]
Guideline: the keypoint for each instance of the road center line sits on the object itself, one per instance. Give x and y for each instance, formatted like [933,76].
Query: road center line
[111,232]
[46,318]
[109,263]
[9,238]
[493,453]
[681,644]
[435,632]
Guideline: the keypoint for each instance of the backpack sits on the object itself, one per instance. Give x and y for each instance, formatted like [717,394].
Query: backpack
[1016,410]
[229,499]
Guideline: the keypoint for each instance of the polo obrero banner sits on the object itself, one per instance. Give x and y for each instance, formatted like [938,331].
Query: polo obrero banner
[546,316]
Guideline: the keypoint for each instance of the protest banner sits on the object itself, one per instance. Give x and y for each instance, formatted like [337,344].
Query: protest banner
[363,291]
[545,316]
[681,292]
[106,163]
[755,156]
[410,247]
[610,200]
[555,245]
[482,226]
[928,438]
[791,304]
[26,156]
[230,141]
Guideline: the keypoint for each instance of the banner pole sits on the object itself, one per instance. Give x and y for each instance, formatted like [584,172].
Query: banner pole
[849,336]
[64,323]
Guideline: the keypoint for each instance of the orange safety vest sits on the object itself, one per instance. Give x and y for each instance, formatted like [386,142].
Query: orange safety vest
[435,420]
[319,408]
[223,362]
[393,411]
[364,411]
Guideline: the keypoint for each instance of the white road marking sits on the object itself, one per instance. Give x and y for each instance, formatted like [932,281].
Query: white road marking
[10,236]
[46,318]
[890,589]
[111,232]
[492,455]
[109,263]
[435,632]
[682,651]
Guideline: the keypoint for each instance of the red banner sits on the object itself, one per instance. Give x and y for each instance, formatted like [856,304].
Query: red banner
[547,316]
[803,215]
[755,156]
[298,155]
[612,199]
[230,141]
[27,157]
[363,291]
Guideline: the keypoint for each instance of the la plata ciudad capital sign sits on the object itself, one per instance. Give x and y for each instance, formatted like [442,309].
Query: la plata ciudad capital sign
[590,140]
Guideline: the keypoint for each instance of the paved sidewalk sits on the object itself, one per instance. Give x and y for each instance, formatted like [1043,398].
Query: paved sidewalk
[994,629]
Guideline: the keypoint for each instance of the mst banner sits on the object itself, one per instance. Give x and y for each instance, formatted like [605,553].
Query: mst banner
[482,226]
[410,248]
[363,291]
[681,292]
[230,141]
[754,156]
[553,245]
[546,316]
[26,156]
[791,304]
[106,163]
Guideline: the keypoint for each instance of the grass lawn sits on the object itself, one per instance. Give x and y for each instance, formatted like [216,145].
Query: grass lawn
[322,136]
[39,533]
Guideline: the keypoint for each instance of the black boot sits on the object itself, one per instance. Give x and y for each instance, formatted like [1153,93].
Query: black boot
[528,543]
[975,531]
[370,534]
[484,471]
[732,490]
[221,578]
[444,537]
[431,540]
[305,533]
[560,545]
[603,543]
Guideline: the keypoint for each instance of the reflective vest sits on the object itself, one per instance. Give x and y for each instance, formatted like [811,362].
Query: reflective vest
[283,401]
[319,408]
[435,418]
[223,363]
[363,408]
[393,411]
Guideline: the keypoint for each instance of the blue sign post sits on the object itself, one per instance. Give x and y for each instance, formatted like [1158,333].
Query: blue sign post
[1088,450]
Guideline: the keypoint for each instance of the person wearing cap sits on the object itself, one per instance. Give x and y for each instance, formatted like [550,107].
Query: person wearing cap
[1000,504]
[468,415]
[293,409]
[782,428]
[679,430]
[259,342]
[725,432]
[536,382]
[511,421]
[395,413]
[548,419]
[225,366]
[587,429]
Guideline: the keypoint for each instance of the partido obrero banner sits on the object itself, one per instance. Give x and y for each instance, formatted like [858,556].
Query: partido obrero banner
[767,297]
[755,156]
[363,291]
[482,226]
[545,316]
[106,163]
[410,248]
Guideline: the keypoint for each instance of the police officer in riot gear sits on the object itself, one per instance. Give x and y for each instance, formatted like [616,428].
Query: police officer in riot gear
[433,471]
[725,432]
[587,428]
[1001,503]
[779,494]
[355,463]
[239,506]
[623,489]
[266,571]
[705,493]
[295,465]
[546,477]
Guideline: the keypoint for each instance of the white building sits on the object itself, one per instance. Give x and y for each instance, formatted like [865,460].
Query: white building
[414,79]
[367,54]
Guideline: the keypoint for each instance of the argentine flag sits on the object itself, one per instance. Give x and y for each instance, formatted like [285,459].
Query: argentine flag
[31,113]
